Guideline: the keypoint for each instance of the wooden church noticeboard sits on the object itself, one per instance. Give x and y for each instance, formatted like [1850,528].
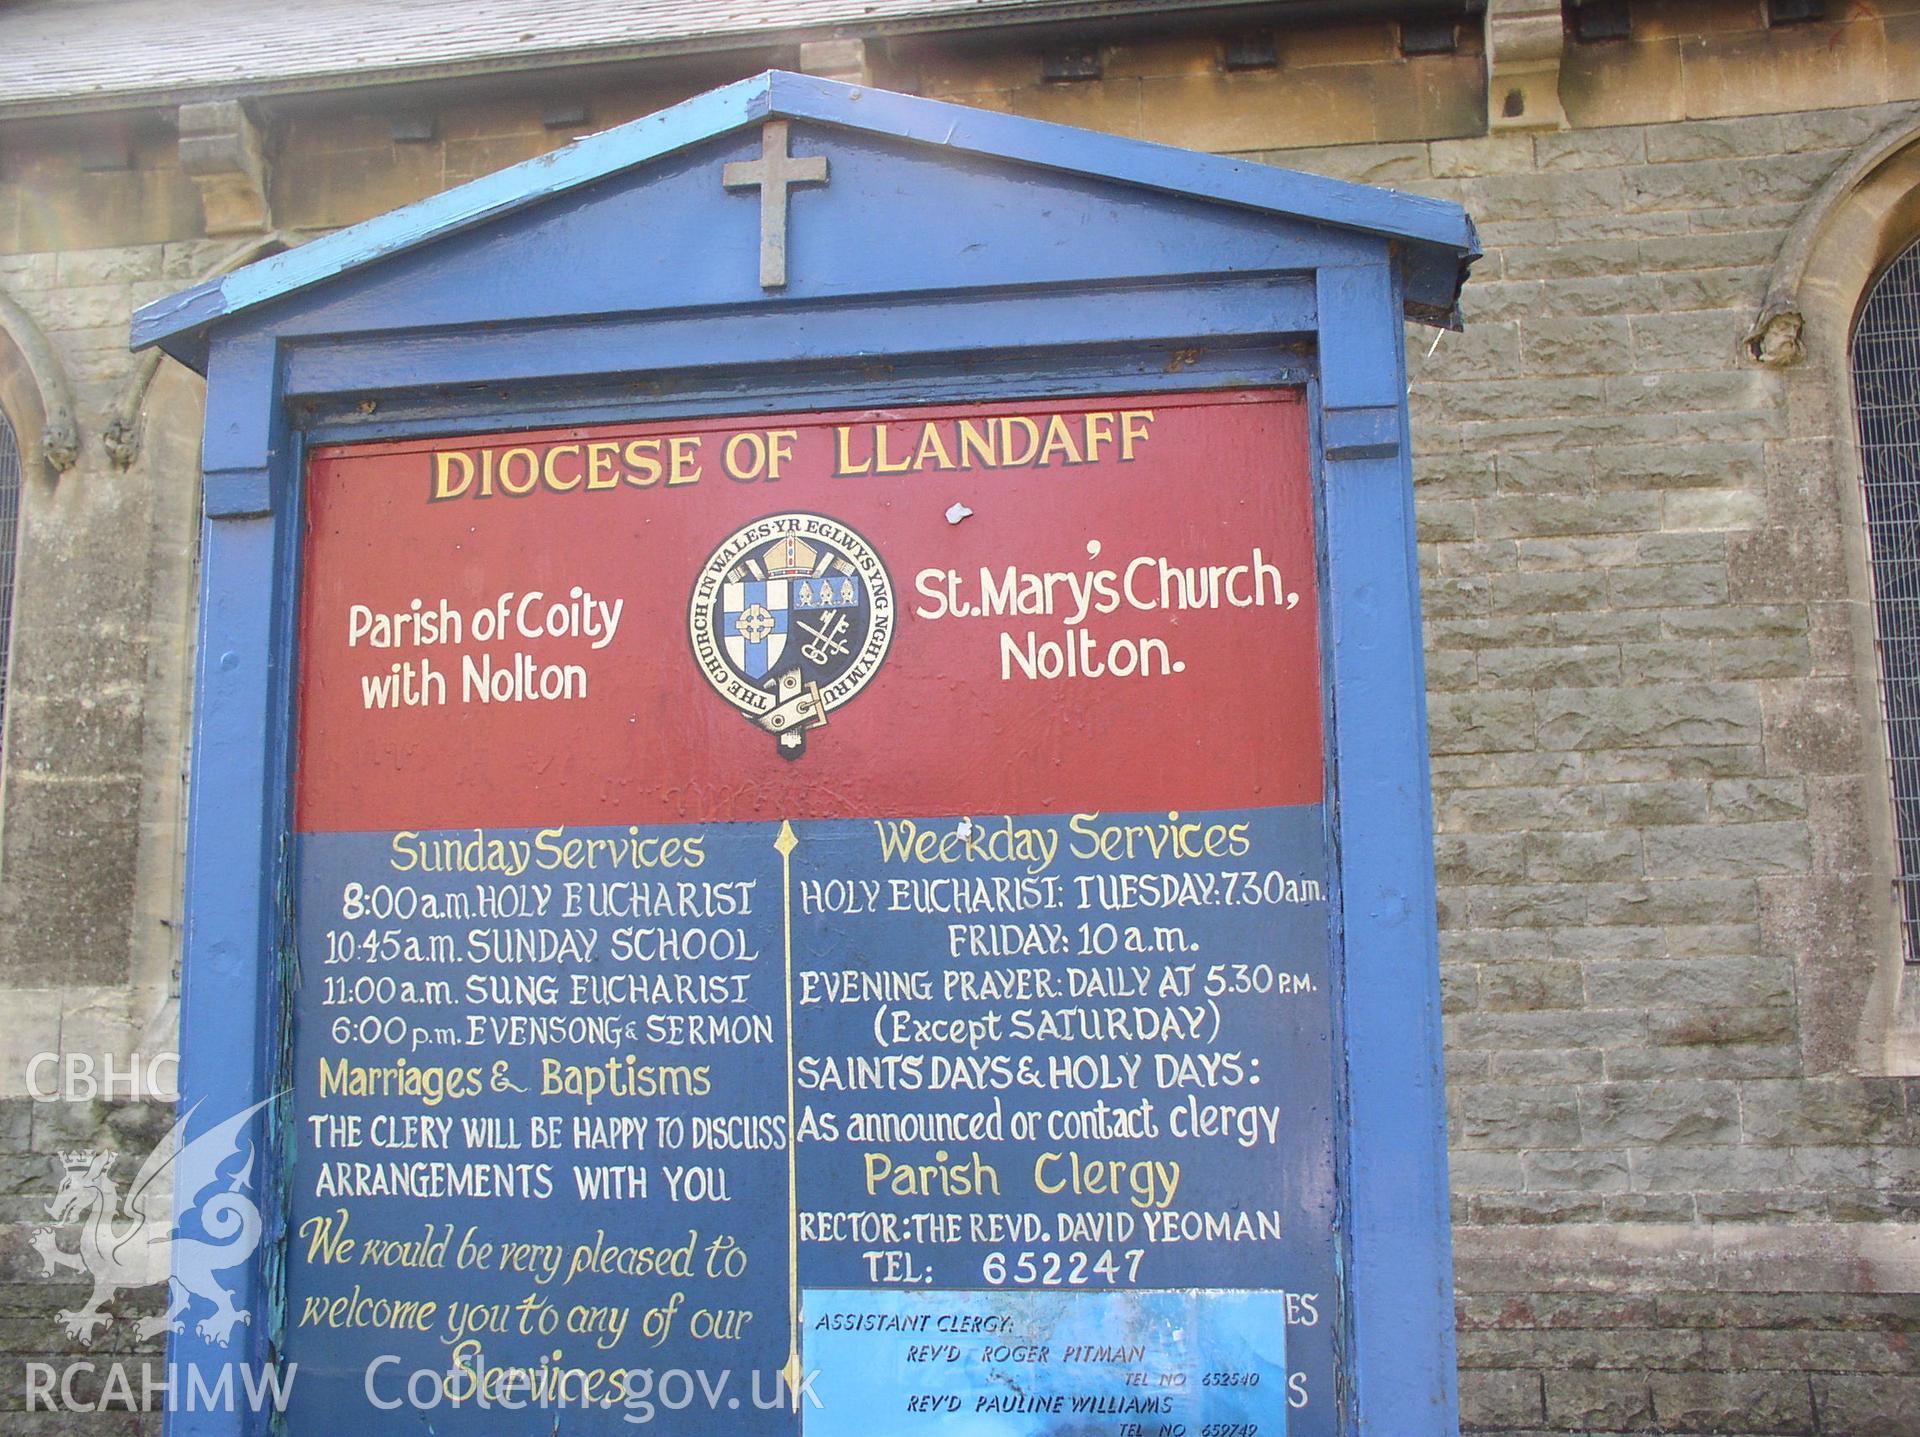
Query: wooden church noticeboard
[755,917]
[810,810]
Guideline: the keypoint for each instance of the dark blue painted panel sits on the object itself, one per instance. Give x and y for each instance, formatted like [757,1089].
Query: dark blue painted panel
[1130,369]
[893,219]
[1197,314]
[1239,1036]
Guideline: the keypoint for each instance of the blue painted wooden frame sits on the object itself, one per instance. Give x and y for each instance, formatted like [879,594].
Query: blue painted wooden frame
[1439,240]
[284,370]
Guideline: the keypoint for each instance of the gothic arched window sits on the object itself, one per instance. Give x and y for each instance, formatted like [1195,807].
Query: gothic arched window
[1886,391]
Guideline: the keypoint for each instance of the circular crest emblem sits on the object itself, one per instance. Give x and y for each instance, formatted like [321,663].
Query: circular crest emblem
[791,617]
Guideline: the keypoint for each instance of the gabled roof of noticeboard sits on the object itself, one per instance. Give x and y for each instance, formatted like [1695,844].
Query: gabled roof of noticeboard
[179,324]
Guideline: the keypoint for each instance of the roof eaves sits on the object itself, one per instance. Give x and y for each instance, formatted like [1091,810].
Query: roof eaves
[957,20]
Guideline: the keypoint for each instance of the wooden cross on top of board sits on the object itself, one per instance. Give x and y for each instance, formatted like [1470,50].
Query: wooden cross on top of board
[773,173]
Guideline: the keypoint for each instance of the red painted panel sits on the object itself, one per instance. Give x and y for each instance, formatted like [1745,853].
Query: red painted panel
[948,722]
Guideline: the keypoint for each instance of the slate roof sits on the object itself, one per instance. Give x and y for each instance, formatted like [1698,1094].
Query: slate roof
[59,55]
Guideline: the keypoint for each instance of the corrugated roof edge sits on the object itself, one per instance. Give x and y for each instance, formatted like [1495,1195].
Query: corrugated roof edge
[179,323]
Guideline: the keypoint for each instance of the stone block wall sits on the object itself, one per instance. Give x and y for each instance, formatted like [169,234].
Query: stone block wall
[1685,1179]
[1686,1166]
[93,787]
[1684,1153]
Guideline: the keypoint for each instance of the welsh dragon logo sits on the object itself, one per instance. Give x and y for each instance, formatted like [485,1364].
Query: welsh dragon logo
[131,1240]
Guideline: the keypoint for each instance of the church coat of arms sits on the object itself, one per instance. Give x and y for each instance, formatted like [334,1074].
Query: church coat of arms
[790,618]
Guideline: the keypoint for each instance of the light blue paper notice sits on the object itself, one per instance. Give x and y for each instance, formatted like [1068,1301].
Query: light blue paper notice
[1164,1363]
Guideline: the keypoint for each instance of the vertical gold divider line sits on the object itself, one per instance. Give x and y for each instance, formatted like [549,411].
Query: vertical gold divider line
[786,842]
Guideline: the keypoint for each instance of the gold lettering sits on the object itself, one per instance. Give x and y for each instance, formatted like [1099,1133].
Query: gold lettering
[1029,429]
[600,460]
[443,465]
[755,460]
[932,449]
[1096,436]
[1060,438]
[843,461]
[507,483]
[976,445]
[880,464]
[643,458]
[779,449]
[547,472]
[685,449]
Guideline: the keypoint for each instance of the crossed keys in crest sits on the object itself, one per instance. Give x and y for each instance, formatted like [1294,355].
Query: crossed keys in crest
[790,617]
[828,640]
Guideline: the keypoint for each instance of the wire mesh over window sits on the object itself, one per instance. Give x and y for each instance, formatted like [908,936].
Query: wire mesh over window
[1886,390]
[9,543]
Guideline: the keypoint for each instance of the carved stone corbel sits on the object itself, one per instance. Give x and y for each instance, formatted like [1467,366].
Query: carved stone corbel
[1524,42]
[1774,339]
[221,150]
